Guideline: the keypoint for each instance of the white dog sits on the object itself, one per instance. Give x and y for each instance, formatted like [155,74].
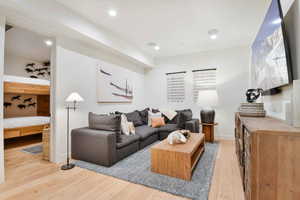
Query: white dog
[176,138]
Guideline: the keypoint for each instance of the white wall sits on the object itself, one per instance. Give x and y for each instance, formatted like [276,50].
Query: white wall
[2,36]
[232,81]
[15,65]
[77,72]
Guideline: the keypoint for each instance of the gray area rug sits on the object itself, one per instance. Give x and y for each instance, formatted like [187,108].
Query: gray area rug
[136,169]
[34,149]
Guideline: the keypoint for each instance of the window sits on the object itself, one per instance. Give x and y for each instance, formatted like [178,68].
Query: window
[204,79]
[175,87]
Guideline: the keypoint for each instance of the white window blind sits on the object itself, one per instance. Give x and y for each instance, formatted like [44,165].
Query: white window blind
[205,79]
[175,87]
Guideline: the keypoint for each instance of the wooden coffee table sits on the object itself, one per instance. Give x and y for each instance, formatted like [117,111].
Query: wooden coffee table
[177,160]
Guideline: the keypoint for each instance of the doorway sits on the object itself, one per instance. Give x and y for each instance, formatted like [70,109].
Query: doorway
[26,106]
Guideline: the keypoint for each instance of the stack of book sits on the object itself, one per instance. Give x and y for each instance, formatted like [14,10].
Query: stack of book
[252,110]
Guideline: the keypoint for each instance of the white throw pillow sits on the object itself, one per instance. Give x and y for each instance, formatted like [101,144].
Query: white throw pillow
[124,125]
[152,115]
[170,114]
[131,128]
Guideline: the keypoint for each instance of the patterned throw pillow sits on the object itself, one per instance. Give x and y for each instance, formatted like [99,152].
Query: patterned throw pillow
[169,114]
[131,128]
[124,125]
[127,128]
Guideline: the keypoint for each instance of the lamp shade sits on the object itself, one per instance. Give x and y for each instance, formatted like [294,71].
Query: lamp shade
[74,97]
[207,98]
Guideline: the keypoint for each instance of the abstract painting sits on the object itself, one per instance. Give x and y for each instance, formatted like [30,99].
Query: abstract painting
[113,84]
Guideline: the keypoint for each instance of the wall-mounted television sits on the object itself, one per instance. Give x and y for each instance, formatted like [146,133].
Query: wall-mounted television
[271,59]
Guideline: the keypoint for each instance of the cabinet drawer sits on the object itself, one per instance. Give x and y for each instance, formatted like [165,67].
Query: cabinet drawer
[32,130]
[11,134]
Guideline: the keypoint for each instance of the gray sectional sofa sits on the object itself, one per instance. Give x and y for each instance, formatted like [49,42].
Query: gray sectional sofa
[106,147]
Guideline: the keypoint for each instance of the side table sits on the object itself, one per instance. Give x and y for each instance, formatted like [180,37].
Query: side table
[209,131]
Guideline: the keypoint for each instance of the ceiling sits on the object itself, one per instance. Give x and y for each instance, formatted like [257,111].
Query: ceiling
[27,44]
[177,26]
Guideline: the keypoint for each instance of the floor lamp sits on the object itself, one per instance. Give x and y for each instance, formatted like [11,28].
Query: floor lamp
[73,98]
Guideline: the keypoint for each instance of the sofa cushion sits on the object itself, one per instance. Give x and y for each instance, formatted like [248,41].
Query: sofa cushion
[145,131]
[104,122]
[127,140]
[135,118]
[168,128]
[184,116]
[144,115]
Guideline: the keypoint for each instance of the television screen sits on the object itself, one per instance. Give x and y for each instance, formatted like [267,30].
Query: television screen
[270,61]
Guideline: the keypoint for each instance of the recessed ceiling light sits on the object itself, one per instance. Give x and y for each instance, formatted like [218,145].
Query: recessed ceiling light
[213,34]
[157,48]
[213,37]
[154,46]
[48,43]
[112,13]
[277,21]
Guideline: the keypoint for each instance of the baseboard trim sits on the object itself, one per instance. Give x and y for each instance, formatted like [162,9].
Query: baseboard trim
[224,137]
[60,158]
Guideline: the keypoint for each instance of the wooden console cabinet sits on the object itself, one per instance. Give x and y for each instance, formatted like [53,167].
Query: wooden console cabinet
[268,151]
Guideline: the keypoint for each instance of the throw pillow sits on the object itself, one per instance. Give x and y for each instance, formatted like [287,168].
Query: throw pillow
[131,128]
[124,125]
[118,113]
[155,110]
[170,114]
[157,122]
[144,115]
[152,115]
[135,118]
[183,117]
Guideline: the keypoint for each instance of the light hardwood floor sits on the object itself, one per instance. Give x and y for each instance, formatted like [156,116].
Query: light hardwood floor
[29,177]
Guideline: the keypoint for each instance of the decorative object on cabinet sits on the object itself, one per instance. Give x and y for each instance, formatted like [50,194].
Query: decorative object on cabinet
[253,94]
[207,99]
[268,154]
[73,98]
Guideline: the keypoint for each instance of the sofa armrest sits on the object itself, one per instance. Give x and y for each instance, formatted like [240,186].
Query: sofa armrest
[95,146]
[193,125]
